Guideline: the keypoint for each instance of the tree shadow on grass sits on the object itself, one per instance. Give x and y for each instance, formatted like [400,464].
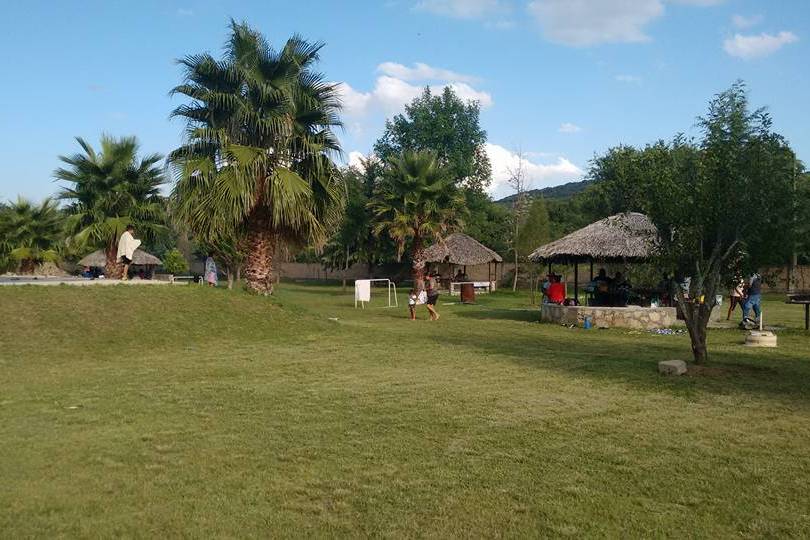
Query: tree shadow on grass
[484,312]
[632,359]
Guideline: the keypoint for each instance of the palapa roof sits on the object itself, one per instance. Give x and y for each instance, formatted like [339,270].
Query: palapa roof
[98,258]
[460,249]
[615,238]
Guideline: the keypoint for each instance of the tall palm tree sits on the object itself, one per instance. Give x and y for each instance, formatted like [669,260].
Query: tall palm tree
[109,190]
[258,156]
[417,202]
[29,233]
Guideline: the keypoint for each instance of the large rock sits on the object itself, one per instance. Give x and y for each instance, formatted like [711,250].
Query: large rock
[672,367]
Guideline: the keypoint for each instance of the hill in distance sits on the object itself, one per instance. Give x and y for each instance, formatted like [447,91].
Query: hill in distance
[563,191]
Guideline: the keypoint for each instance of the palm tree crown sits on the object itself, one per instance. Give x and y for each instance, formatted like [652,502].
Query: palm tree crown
[416,202]
[259,149]
[29,233]
[110,189]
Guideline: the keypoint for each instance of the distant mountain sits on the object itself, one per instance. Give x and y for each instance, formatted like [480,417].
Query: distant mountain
[564,191]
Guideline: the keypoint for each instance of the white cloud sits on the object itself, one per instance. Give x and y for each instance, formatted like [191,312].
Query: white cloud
[742,22]
[422,72]
[463,9]
[391,93]
[757,46]
[583,22]
[568,127]
[355,159]
[539,175]
[631,79]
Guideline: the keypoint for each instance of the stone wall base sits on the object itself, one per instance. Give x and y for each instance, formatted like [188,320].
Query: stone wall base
[636,317]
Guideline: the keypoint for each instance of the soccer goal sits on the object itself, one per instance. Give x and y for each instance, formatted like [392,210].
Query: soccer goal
[363,287]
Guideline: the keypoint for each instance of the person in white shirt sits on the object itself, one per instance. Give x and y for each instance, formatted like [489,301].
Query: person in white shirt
[126,249]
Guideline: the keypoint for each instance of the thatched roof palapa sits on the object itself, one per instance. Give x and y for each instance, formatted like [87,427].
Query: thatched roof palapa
[460,249]
[630,236]
[98,258]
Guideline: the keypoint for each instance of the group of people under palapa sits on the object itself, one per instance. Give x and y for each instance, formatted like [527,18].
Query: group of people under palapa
[602,290]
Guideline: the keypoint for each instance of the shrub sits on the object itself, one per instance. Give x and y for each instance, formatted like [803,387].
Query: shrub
[174,262]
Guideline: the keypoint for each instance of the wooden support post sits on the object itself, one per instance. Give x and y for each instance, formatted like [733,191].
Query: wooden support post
[806,316]
[576,282]
[591,269]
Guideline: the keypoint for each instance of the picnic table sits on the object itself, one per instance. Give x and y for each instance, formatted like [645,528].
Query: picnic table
[802,299]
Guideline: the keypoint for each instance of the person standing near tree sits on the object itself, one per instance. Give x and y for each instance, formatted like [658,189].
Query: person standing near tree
[432,295]
[126,249]
[753,299]
[211,271]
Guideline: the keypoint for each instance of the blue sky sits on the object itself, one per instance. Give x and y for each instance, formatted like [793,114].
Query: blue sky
[559,80]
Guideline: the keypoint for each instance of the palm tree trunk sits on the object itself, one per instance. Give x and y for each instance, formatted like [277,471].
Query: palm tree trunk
[418,259]
[113,268]
[261,242]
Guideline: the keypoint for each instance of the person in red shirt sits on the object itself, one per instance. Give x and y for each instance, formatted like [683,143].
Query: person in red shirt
[556,291]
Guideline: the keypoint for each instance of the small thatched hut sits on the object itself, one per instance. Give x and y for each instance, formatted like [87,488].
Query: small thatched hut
[619,238]
[461,250]
[140,257]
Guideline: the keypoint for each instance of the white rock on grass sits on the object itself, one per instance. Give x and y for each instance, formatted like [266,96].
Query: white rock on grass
[672,367]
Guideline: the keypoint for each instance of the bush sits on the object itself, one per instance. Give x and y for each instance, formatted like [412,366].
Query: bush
[174,262]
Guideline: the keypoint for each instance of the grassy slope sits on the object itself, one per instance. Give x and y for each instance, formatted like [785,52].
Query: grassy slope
[145,411]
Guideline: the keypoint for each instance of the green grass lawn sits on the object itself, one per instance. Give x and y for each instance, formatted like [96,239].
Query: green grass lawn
[187,411]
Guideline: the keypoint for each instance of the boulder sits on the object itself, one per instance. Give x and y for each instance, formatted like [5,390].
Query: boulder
[672,367]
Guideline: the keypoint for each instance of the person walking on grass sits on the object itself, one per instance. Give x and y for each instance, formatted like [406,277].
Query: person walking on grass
[432,295]
[126,249]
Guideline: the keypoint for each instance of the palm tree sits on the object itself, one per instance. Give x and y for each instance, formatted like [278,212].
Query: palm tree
[29,233]
[259,152]
[417,202]
[111,189]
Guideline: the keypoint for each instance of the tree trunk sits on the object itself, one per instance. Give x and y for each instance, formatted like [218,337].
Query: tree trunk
[418,257]
[261,242]
[113,269]
[346,269]
[229,273]
[514,281]
[238,272]
[697,322]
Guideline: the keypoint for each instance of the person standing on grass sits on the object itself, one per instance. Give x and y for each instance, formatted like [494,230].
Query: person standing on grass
[736,297]
[211,271]
[126,249]
[432,295]
[413,297]
[753,298]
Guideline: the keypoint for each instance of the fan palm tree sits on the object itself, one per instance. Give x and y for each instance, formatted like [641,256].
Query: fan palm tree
[109,190]
[417,202]
[258,156]
[29,233]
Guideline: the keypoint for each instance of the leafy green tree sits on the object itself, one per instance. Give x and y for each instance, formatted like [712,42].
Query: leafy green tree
[174,262]
[718,205]
[536,229]
[109,190]
[29,233]
[259,152]
[486,221]
[415,203]
[449,127]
